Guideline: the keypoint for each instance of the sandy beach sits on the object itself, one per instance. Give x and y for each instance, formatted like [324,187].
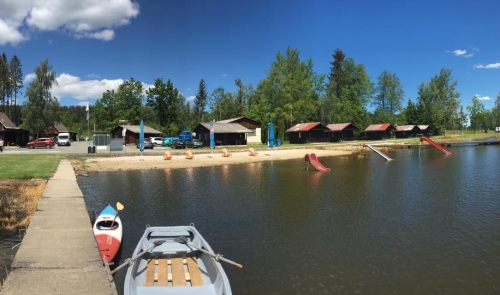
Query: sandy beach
[204,158]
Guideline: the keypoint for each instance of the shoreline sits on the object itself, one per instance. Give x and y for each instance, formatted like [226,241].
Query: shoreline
[204,158]
[207,159]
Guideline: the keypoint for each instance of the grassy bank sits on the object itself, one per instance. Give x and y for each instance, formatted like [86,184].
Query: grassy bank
[28,166]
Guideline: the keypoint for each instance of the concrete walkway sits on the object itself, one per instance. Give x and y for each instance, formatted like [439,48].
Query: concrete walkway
[59,254]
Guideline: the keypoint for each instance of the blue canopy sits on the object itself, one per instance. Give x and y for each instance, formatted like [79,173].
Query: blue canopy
[141,137]
[271,135]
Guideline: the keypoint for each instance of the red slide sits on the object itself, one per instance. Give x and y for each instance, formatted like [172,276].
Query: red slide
[311,158]
[436,145]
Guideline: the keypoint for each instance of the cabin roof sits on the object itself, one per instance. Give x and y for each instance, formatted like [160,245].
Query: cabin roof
[227,127]
[6,122]
[59,126]
[340,126]
[301,127]
[379,127]
[405,127]
[137,129]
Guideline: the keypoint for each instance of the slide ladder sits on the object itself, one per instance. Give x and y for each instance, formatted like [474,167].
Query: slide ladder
[378,152]
[436,145]
[311,158]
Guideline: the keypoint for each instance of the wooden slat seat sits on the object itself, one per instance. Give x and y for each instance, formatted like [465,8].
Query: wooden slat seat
[150,273]
[163,272]
[173,272]
[194,272]
[178,275]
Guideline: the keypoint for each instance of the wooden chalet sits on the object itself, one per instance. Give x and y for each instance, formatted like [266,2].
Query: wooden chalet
[425,130]
[132,133]
[406,131]
[252,125]
[224,133]
[379,131]
[341,131]
[308,132]
[11,134]
[59,127]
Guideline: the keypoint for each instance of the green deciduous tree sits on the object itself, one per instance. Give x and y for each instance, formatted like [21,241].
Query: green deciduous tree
[462,118]
[411,114]
[438,100]
[224,105]
[291,88]
[123,104]
[496,112]
[388,98]
[40,111]
[241,97]
[477,113]
[443,88]
[287,95]
[165,100]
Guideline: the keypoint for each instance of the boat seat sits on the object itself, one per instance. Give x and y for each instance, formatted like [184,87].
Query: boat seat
[178,233]
[172,248]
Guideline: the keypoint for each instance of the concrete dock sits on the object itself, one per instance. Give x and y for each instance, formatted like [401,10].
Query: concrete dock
[59,254]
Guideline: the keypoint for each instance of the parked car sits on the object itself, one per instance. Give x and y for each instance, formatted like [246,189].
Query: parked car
[45,142]
[179,144]
[148,144]
[157,141]
[194,143]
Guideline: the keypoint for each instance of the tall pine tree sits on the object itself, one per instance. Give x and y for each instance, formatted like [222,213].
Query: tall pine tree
[200,101]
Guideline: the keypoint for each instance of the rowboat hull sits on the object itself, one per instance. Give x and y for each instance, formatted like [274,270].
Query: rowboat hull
[108,238]
[173,267]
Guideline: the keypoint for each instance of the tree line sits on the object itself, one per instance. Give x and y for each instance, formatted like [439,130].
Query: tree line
[292,92]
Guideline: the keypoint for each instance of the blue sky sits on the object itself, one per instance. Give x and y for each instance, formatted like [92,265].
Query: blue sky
[96,45]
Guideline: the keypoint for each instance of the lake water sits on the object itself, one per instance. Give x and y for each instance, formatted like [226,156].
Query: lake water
[425,223]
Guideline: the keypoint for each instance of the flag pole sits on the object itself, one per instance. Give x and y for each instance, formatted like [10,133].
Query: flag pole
[88,121]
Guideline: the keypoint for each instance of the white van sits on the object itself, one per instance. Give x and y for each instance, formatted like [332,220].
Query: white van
[63,139]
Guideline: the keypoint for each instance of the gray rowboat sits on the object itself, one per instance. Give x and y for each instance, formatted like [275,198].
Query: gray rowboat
[175,260]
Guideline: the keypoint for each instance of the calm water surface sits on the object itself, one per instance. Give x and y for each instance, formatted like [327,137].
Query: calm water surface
[423,224]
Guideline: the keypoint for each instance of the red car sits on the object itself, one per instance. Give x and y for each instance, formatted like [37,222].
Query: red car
[45,142]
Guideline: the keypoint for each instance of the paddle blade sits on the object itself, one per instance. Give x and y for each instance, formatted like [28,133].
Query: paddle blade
[119,206]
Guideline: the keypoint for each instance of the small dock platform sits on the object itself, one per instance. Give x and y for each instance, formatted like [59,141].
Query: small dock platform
[59,254]
[472,142]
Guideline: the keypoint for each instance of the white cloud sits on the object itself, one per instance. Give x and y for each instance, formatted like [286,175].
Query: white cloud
[106,35]
[224,75]
[69,86]
[459,52]
[488,66]
[8,34]
[482,97]
[191,98]
[74,87]
[463,53]
[28,78]
[82,18]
